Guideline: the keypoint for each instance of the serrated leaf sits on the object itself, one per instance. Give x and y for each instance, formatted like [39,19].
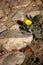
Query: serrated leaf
[37,17]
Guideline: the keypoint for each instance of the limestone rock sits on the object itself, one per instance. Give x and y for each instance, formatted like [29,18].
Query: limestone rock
[19,15]
[17,40]
[38,2]
[14,39]
[14,58]
[1,13]
[42,12]
[15,27]
[33,13]
[19,3]
[2,27]
[4,5]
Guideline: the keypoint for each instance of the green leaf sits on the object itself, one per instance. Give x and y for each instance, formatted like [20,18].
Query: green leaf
[37,18]
[37,32]
[30,17]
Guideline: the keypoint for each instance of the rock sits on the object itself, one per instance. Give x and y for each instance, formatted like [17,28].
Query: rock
[6,9]
[1,13]
[2,27]
[16,40]
[33,13]
[3,57]
[9,23]
[15,27]
[5,19]
[19,3]
[42,12]
[38,2]
[4,41]
[19,15]
[4,5]
[14,58]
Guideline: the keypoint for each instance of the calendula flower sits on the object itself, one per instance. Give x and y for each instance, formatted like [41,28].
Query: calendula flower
[28,22]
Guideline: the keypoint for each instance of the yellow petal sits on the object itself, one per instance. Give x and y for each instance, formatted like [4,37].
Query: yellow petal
[28,22]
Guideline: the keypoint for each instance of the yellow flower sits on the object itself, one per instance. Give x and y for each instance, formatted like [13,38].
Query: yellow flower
[28,22]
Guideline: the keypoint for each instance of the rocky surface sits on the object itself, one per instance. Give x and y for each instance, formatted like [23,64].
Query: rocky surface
[17,58]
[17,39]
[2,27]
[10,12]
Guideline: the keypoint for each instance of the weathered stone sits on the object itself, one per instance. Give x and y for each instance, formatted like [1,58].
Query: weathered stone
[19,15]
[14,39]
[17,40]
[14,58]
[15,10]
[5,7]
[3,57]
[33,13]
[9,24]
[15,27]
[4,41]
[38,2]
[5,19]
[42,12]
[1,13]
[2,27]
[19,3]
[7,11]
